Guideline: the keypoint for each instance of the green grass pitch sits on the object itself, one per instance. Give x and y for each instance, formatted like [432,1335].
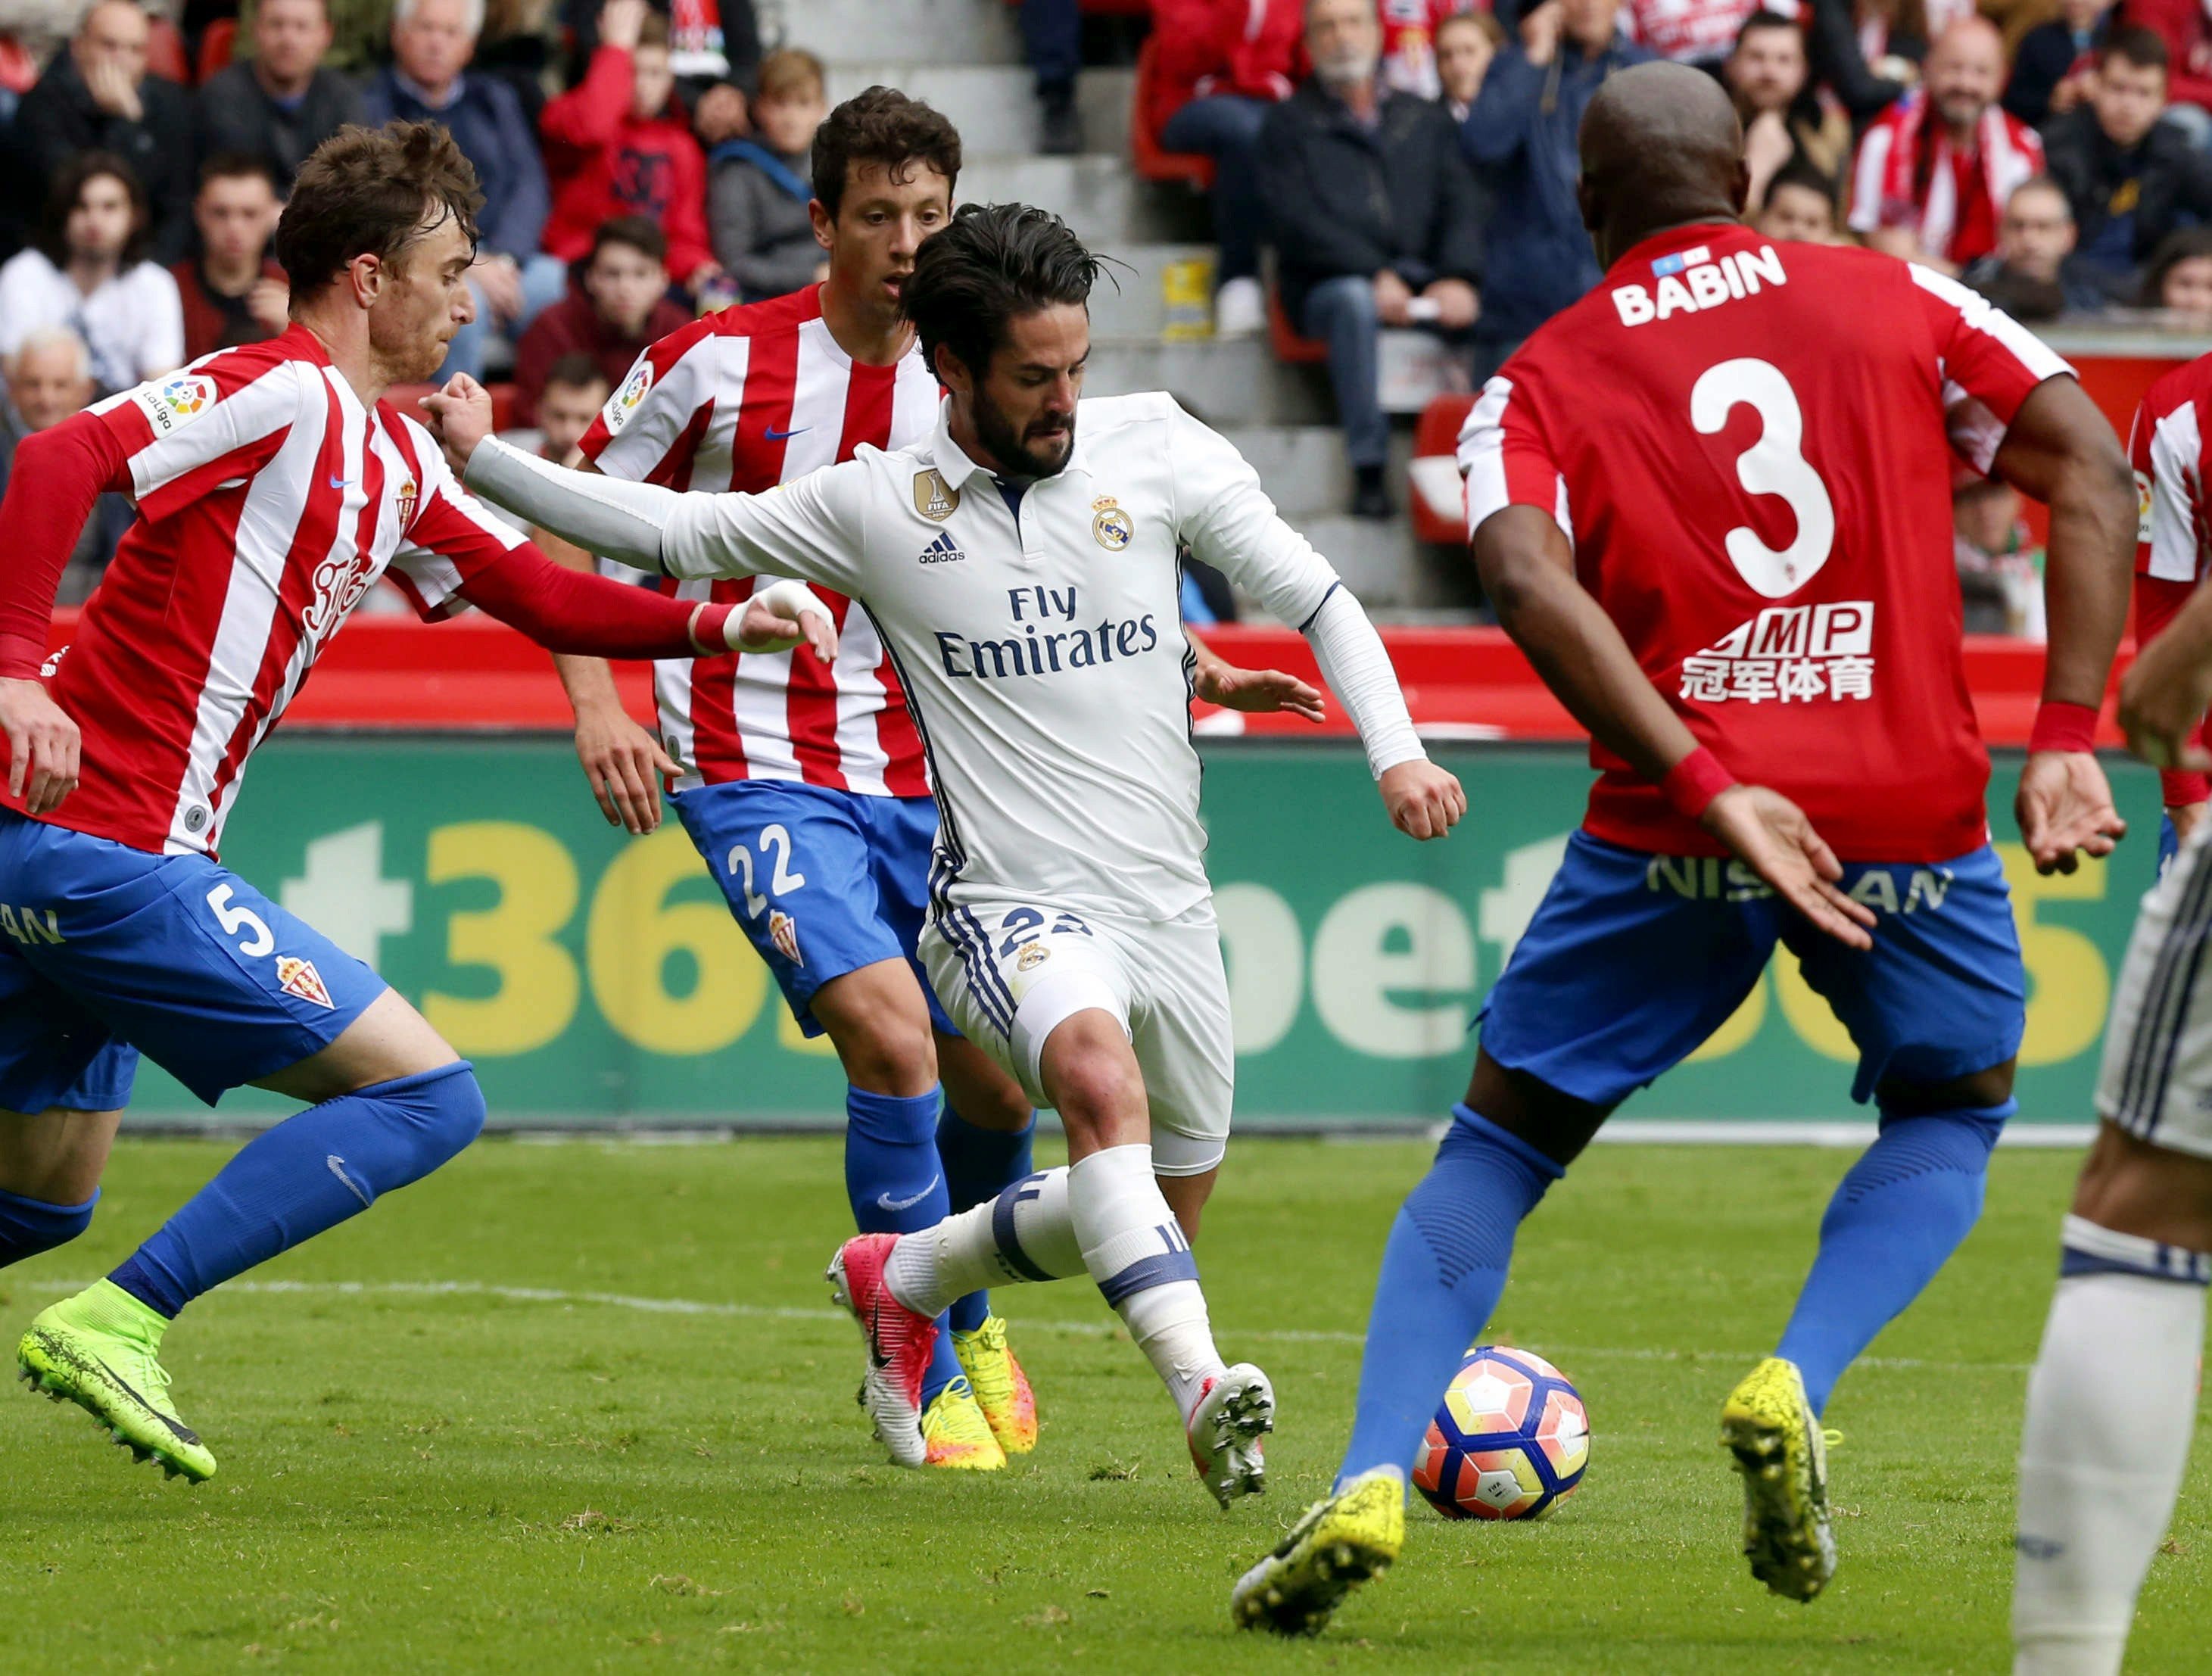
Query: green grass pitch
[455,1437]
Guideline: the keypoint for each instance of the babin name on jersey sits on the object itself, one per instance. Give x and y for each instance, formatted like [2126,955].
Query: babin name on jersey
[1692,281]
[1056,648]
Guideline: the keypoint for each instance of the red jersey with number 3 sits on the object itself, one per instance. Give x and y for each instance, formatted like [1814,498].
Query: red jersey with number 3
[1749,446]
[745,400]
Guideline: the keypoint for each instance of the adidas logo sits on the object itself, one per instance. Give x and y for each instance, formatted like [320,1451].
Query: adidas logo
[943,550]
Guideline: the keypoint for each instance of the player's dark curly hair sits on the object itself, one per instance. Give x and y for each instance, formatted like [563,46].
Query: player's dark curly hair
[882,125]
[995,261]
[373,191]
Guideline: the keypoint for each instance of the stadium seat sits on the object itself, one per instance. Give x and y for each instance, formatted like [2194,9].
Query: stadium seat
[165,53]
[1194,169]
[217,42]
[1436,438]
[407,397]
[1289,344]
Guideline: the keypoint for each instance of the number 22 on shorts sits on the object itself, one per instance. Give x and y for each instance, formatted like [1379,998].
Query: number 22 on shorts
[775,840]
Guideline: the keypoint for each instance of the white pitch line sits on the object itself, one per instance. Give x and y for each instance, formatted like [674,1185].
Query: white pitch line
[692,1306]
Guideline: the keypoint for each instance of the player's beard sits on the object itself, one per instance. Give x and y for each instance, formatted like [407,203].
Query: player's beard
[1035,452]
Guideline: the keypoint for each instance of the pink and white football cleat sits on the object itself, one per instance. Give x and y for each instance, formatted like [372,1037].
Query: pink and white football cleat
[1228,1431]
[900,1343]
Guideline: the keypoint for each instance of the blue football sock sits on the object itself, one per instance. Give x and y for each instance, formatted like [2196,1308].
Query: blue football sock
[1443,1270]
[308,1174]
[29,1226]
[896,1186]
[1897,1217]
[980,1164]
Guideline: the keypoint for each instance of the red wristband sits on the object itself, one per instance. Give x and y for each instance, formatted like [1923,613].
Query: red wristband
[2179,787]
[2062,726]
[22,657]
[1692,783]
[707,632]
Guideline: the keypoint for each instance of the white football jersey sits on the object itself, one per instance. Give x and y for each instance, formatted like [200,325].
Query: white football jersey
[1037,636]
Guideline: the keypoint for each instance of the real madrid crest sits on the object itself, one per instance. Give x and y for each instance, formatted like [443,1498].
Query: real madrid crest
[933,498]
[1110,527]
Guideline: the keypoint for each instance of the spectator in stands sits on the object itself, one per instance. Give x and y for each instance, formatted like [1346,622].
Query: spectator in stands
[1800,204]
[1784,120]
[49,379]
[280,103]
[360,30]
[620,308]
[1377,222]
[2057,61]
[1412,32]
[89,271]
[2179,279]
[233,292]
[575,390]
[1220,66]
[1052,37]
[1689,32]
[618,146]
[97,96]
[2034,273]
[714,48]
[1935,171]
[2000,576]
[758,189]
[2186,29]
[432,42]
[2130,178]
[1864,53]
[1521,138]
[1466,43]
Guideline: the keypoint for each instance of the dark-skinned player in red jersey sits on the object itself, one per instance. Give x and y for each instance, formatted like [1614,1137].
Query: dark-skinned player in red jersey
[1711,502]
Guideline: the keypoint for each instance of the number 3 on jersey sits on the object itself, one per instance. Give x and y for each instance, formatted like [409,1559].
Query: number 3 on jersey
[1774,465]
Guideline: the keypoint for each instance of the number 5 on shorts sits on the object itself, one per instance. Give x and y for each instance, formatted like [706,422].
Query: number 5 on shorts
[233,920]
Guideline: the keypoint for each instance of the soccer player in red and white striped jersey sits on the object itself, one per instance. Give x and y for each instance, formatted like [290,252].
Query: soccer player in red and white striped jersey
[801,780]
[274,487]
[2173,545]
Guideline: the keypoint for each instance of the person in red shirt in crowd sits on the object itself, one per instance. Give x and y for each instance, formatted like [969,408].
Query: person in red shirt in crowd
[1221,65]
[1694,32]
[1935,169]
[234,293]
[616,145]
[1711,502]
[1411,34]
[621,307]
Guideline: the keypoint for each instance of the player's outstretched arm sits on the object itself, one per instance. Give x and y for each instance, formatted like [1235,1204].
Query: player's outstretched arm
[1217,681]
[2060,450]
[1528,571]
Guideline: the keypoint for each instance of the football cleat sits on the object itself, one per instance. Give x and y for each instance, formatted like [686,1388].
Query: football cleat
[1228,1431]
[1343,1540]
[899,1344]
[1771,1430]
[1002,1389]
[956,1434]
[102,1351]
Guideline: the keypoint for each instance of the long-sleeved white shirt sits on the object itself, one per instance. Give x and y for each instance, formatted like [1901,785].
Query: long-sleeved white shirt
[1037,635]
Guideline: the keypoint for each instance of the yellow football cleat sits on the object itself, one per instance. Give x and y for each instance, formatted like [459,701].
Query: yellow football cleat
[101,1350]
[955,1433]
[1771,1430]
[1341,1543]
[1002,1389]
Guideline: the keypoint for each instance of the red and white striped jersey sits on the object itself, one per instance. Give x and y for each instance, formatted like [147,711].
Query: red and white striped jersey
[269,499]
[745,400]
[2167,447]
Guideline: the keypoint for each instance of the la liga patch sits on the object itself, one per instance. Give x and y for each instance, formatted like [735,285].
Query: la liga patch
[299,977]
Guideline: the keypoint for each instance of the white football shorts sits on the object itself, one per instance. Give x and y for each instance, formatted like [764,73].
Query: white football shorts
[2156,1082]
[1010,974]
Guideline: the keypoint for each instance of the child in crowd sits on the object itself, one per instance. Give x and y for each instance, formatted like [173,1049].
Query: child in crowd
[760,188]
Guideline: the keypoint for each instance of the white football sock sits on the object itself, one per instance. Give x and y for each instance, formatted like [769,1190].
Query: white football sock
[1135,1250]
[2097,1483]
[1025,1234]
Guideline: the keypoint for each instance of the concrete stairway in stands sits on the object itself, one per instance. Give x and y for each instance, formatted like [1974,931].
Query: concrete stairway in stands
[965,57]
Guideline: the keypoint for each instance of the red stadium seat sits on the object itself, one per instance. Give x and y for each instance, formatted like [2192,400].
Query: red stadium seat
[165,53]
[1436,433]
[1289,344]
[408,398]
[217,42]
[1191,168]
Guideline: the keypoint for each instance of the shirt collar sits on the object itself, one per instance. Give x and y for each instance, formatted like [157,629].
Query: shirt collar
[1675,240]
[956,468]
[415,91]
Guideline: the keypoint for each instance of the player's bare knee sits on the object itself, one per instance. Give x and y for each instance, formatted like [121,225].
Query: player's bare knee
[985,1096]
[1977,1091]
[1556,1124]
[877,1022]
[1092,1074]
[2131,1187]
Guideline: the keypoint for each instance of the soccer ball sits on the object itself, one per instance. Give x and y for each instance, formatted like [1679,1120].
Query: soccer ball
[1509,1439]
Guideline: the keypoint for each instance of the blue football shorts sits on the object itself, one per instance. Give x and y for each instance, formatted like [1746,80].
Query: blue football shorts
[106,952]
[1632,960]
[823,881]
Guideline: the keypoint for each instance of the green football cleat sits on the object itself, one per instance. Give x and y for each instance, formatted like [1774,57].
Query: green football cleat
[1781,1451]
[100,1349]
[1343,1540]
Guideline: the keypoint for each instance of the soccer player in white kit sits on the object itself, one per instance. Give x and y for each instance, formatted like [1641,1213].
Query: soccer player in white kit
[1021,565]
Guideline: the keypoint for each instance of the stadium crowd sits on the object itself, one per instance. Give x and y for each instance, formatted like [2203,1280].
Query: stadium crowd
[1409,164]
